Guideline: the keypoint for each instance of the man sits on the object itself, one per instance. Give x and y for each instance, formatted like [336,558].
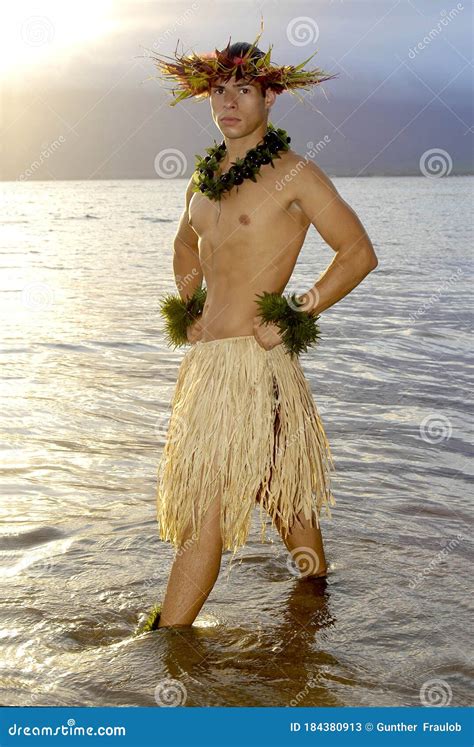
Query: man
[244,427]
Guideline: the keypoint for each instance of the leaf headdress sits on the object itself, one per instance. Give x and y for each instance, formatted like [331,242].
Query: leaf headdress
[194,74]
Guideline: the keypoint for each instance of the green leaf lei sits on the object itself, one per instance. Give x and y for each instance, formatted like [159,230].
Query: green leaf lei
[298,329]
[151,622]
[204,181]
[179,314]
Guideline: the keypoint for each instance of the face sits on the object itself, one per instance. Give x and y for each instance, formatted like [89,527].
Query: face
[242,102]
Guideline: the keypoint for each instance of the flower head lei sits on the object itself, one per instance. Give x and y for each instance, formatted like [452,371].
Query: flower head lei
[194,74]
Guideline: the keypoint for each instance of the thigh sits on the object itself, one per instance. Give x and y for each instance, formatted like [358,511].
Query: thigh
[210,534]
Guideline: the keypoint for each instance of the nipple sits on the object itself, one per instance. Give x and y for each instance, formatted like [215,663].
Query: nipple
[244,219]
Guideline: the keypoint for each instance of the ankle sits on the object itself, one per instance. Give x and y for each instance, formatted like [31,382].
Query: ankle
[320,573]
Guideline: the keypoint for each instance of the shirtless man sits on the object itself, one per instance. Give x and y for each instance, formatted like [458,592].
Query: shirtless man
[247,244]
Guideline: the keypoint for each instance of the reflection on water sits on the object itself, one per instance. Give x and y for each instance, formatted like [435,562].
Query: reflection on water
[86,387]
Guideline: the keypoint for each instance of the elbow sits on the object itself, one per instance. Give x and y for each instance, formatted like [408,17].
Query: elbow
[362,255]
[368,255]
[369,258]
[365,261]
[372,262]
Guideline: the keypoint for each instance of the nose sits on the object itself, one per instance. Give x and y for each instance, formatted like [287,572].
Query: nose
[229,100]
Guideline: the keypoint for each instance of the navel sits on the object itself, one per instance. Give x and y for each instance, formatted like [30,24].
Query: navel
[244,219]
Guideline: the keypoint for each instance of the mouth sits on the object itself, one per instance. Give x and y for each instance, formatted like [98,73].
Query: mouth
[229,120]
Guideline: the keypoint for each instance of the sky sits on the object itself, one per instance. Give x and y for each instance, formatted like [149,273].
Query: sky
[79,96]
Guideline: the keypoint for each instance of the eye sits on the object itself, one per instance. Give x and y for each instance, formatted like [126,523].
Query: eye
[245,88]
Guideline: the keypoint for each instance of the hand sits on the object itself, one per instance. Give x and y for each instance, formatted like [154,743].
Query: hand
[194,331]
[268,336]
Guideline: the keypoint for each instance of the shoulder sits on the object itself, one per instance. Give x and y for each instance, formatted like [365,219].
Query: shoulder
[190,189]
[306,170]
[301,176]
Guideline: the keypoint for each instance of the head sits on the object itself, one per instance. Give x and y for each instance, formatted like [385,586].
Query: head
[244,98]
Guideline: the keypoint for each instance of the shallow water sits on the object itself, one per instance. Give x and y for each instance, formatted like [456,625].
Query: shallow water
[86,384]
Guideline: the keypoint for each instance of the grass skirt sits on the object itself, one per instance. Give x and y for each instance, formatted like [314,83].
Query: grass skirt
[243,426]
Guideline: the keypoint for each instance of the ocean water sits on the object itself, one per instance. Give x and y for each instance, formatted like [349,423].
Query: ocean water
[87,381]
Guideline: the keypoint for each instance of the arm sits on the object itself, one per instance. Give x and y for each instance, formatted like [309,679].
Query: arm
[186,265]
[340,227]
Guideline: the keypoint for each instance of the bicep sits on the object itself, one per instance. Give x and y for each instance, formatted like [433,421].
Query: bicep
[186,234]
[333,218]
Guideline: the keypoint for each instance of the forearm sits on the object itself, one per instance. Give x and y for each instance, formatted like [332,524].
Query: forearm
[348,268]
[187,270]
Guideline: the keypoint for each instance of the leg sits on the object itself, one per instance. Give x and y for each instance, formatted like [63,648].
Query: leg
[303,541]
[194,572]
[305,544]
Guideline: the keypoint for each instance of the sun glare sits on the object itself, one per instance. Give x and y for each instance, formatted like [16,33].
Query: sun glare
[34,33]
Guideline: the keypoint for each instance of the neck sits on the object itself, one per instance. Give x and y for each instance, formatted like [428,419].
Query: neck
[238,147]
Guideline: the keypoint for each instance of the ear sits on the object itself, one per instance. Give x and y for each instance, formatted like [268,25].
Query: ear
[270,96]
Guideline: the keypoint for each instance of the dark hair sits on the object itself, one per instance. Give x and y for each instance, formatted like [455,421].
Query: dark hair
[239,49]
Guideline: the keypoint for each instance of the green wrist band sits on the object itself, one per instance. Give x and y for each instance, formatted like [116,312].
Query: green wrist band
[179,314]
[298,329]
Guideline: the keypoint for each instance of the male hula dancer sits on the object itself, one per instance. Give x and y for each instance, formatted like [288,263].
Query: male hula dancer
[244,428]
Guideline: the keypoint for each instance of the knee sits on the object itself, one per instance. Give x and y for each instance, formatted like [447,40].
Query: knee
[205,541]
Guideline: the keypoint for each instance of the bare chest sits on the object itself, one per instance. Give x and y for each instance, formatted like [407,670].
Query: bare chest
[248,212]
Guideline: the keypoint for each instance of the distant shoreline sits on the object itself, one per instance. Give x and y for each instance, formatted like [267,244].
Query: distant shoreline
[186,178]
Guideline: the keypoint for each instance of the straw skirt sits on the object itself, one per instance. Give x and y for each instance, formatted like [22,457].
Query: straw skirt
[243,427]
